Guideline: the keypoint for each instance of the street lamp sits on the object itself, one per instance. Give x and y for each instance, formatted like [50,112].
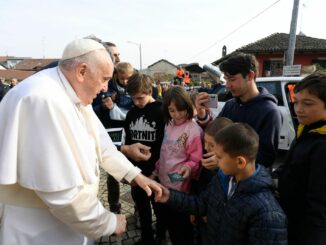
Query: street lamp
[140,58]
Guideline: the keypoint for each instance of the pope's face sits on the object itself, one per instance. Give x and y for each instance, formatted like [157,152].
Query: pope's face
[96,78]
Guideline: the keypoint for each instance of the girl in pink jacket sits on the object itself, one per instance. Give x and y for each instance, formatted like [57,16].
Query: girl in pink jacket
[180,156]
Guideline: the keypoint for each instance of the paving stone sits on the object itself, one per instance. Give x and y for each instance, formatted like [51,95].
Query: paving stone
[133,233]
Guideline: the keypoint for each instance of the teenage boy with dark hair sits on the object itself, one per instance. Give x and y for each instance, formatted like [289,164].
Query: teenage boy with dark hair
[238,202]
[302,179]
[144,124]
[251,104]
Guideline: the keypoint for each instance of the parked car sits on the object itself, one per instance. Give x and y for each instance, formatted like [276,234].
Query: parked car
[282,89]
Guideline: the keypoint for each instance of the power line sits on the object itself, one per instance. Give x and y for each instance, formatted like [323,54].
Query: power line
[236,29]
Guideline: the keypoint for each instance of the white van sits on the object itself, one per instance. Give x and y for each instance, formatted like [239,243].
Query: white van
[280,87]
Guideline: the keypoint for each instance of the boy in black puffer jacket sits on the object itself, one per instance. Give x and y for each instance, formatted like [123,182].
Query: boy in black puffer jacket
[302,178]
[238,202]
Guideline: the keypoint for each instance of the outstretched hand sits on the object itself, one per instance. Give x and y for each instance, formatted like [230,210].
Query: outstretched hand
[148,185]
[164,197]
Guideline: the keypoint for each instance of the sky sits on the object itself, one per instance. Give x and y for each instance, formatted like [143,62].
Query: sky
[180,31]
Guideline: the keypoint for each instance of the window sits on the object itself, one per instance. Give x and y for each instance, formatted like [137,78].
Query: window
[272,68]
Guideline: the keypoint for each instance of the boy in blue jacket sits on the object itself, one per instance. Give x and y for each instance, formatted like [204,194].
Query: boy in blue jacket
[238,202]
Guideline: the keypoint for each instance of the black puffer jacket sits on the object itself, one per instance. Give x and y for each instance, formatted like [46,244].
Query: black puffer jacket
[302,186]
[250,216]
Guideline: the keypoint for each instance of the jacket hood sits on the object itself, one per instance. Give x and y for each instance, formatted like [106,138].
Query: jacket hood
[318,127]
[260,181]
[263,95]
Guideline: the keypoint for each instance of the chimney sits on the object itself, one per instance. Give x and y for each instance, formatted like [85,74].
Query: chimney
[223,51]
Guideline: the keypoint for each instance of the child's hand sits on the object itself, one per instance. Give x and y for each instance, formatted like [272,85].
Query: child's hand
[165,195]
[193,219]
[107,103]
[137,151]
[205,219]
[209,161]
[185,172]
[201,104]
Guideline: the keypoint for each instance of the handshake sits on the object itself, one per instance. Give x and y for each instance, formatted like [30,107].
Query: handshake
[161,193]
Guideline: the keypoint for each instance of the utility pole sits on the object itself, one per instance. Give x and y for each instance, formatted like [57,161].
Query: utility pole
[140,56]
[292,37]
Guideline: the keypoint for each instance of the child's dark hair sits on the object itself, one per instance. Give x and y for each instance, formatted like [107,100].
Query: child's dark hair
[239,139]
[180,97]
[240,63]
[139,83]
[216,125]
[315,84]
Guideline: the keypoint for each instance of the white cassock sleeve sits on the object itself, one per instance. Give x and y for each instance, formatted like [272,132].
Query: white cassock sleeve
[79,209]
[113,161]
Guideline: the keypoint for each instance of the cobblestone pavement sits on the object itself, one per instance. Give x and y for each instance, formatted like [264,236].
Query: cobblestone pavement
[133,233]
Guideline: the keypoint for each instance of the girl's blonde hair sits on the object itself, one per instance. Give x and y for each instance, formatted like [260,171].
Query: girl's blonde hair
[124,68]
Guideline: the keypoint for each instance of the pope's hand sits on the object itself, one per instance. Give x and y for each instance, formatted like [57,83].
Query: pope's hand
[165,195]
[137,152]
[121,224]
[148,185]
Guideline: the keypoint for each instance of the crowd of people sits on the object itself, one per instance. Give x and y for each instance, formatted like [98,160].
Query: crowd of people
[208,180]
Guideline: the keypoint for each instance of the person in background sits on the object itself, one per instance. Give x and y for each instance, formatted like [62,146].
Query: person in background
[179,161]
[187,78]
[180,73]
[302,177]
[2,90]
[13,82]
[104,106]
[238,202]
[159,90]
[116,99]
[250,104]
[49,165]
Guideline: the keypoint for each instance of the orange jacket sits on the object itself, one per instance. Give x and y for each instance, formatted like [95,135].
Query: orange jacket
[187,78]
[180,73]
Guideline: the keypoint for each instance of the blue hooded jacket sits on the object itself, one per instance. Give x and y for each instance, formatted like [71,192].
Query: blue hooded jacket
[251,216]
[263,115]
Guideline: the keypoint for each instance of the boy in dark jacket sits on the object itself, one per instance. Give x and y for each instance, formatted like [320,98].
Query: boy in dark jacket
[250,104]
[302,179]
[238,202]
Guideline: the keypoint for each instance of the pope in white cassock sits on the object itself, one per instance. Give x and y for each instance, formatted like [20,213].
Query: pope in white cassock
[51,146]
